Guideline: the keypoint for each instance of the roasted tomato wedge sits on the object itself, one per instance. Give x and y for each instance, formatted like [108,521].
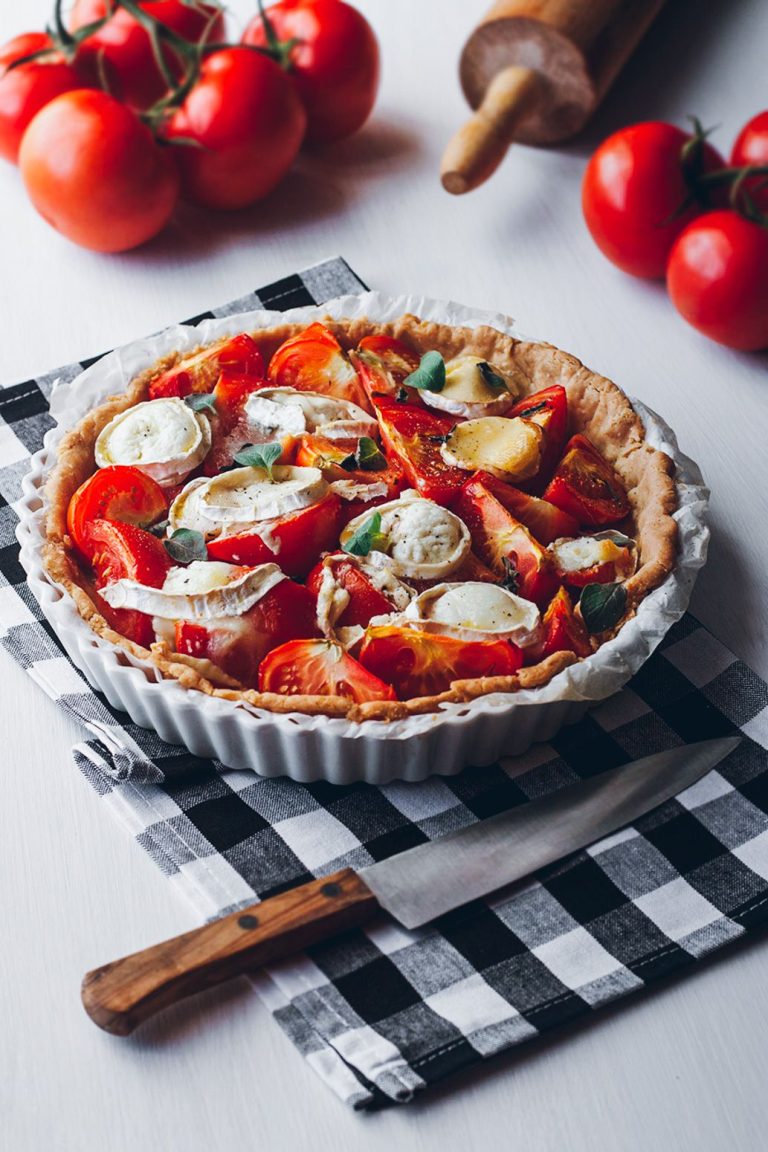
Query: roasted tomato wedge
[543,520]
[504,543]
[563,631]
[549,409]
[115,493]
[365,601]
[123,551]
[239,356]
[586,486]
[300,537]
[333,458]
[413,435]
[319,668]
[238,644]
[314,361]
[382,364]
[423,664]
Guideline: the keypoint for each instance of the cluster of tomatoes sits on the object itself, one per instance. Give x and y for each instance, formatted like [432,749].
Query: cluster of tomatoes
[130,104]
[661,202]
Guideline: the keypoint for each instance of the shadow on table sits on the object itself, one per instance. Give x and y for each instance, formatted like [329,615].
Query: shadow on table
[320,186]
[678,44]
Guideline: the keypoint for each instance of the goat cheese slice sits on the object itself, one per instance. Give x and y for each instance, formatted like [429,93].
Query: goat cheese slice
[163,438]
[468,390]
[281,412]
[476,611]
[204,590]
[423,540]
[233,501]
[509,448]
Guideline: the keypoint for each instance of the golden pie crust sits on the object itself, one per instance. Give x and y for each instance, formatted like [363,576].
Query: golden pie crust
[596,406]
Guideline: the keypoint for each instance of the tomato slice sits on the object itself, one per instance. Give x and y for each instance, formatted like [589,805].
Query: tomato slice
[301,538]
[586,486]
[563,631]
[198,373]
[319,668]
[238,644]
[502,540]
[543,520]
[549,409]
[118,492]
[382,364]
[328,456]
[365,601]
[413,435]
[123,551]
[424,664]
[314,361]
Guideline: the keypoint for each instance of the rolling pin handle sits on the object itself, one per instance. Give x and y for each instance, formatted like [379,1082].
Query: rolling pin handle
[478,148]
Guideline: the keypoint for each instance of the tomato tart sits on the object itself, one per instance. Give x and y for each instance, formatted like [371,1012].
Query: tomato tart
[361,519]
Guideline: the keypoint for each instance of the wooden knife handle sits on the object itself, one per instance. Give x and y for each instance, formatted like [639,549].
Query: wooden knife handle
[121,995]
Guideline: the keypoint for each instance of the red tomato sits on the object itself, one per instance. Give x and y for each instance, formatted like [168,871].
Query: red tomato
[542,519]
[586,486]
[549,409]
[314,361]
[199,373]
[125,50]
[413,435]
[96,174]
[634,184]
[115,493]
[424,664]
[563,631]
[382,363]
[319,668]
[718,279]
[751,147]
[28,88]
[123,551]
[334,62]
[238,644]
[502,540]
[302,537]
[365,601]
[247,124]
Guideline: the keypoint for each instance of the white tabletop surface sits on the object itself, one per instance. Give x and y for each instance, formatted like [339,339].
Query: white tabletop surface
[682,1067]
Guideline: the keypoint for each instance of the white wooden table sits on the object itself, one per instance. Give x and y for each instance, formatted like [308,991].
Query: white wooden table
[683,1067]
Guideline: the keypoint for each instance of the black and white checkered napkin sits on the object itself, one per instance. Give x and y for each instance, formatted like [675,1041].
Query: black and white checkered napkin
[382,1013]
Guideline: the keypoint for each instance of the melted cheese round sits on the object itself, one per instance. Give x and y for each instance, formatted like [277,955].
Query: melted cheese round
[204,590]
[467,392]
[163,438]
[476,611]
[424,541]
[507,448]
[275,413]
[232,502]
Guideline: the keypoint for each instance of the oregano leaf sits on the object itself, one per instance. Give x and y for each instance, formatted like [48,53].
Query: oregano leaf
[367,538]
[199,401]
[602,606]
[259,456]
[430,374]
[369,456]
[511,580]
[186,545]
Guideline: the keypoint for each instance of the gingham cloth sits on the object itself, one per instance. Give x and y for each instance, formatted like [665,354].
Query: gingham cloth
[382,1013]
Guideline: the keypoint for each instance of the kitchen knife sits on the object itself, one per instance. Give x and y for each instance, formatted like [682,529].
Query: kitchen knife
[415,887]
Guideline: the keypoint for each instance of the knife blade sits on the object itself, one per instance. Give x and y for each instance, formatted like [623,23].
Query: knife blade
[415,887]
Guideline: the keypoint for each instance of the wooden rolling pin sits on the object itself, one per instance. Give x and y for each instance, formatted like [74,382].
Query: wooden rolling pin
[535,70]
